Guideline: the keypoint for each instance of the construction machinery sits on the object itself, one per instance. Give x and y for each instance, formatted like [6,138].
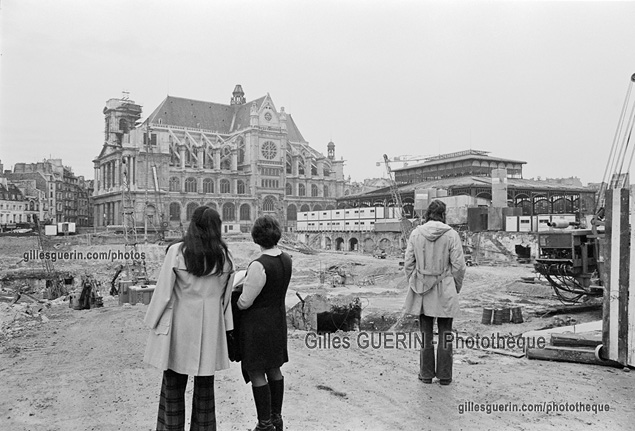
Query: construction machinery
[570,257]
[155,218]
[404,224]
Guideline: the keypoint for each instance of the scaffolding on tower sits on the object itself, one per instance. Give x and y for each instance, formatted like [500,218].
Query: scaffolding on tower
[135,266]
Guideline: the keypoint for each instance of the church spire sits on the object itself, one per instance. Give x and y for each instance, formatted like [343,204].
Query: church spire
[238,96]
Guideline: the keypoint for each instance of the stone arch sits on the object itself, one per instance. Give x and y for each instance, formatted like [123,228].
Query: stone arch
[353,244]
[240,187]
[245,212]
[229,212]
[305,208]
[327,243]
[190,185]
[189,210]
[175,184]
[225,186]
[292,212]
[175,211]
[208,185]
[385,244]
[339,243]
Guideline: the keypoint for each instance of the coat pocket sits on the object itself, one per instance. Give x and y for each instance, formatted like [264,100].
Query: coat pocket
[163,327]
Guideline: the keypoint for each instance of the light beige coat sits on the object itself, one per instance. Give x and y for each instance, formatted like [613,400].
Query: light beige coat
[434,266]
[188,317]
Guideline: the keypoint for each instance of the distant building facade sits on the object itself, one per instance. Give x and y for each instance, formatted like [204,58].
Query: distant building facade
[63,196]
[244,159]
[470,173]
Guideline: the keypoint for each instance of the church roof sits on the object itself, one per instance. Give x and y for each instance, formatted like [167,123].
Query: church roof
[197,114]
[293,133]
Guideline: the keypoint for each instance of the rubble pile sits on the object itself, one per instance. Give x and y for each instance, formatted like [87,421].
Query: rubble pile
[289,244]
[15,318]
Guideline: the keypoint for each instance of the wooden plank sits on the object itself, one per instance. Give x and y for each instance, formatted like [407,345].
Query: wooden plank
[569,354]
[605,268]
[630,317]
[622,303]
[591,339]
[581,328]
[504,352]
[571,309]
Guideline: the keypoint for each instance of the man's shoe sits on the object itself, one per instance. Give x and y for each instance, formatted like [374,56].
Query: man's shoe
[425,380]
[276,420]
[445,382]
[265,426]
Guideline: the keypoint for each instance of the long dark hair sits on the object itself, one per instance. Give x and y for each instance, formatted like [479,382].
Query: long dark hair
[204,250]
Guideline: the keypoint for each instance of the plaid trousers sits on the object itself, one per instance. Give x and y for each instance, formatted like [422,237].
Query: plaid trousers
[172,403]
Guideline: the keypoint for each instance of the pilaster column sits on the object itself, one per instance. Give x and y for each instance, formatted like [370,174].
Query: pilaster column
[216,158]
[234,157]
[182,154]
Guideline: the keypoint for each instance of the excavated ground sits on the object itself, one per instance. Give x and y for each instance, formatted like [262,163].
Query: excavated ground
[64,369]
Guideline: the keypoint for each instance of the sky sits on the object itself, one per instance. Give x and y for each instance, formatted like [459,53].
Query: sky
[542,82]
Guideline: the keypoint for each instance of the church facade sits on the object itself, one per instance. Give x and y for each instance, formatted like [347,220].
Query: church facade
[244,159]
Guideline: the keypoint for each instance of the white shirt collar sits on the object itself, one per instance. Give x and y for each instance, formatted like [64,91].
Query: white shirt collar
[275,251]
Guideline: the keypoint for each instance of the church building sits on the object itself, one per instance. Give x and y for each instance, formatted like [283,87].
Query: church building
[244,159]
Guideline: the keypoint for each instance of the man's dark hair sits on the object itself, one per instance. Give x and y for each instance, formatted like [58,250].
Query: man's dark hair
[266,231]
[436,211]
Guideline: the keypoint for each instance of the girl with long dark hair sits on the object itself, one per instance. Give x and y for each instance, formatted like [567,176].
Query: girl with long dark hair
[189,313]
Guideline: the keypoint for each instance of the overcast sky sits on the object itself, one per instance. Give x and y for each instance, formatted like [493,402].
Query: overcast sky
[542,82]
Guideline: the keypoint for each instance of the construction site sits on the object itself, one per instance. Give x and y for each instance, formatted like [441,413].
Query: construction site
[546,335]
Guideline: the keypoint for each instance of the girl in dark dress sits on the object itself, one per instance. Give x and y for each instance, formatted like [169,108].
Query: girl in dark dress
[263,327]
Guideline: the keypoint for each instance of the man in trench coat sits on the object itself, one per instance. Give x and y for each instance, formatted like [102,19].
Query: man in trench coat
[435,267]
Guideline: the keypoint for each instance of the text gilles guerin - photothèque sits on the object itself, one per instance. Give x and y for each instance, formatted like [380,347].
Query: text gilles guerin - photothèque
[414,340]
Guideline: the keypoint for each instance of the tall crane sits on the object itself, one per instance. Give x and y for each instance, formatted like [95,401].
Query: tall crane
[404,224]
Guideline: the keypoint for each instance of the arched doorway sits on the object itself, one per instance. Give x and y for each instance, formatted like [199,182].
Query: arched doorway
[385,244]
[327,243]
[353,244]
[339,244]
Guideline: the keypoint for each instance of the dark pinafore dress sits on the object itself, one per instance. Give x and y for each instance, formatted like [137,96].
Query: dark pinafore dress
[263,326]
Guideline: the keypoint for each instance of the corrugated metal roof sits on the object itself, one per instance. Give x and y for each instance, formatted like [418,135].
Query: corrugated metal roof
[470,181]
[459,159]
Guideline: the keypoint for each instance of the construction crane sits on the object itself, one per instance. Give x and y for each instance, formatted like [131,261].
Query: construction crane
[54,287]
[404,224]
[404,158]
[157,220]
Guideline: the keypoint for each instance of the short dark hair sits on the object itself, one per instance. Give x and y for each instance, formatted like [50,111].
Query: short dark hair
[266,231]
[436,211]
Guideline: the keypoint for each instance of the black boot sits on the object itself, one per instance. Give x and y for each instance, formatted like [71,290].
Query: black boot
[262,399]
[277,393]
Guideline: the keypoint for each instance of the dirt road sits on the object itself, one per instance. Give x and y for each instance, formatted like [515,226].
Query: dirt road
[83,370]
